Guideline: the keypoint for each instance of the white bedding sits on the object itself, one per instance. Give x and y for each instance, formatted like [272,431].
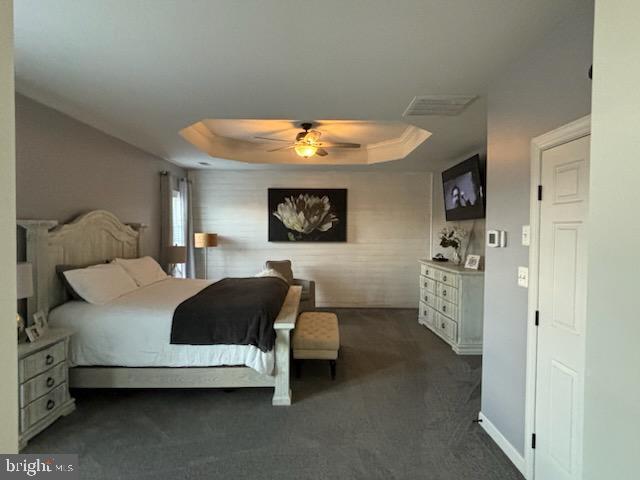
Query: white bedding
[134,331]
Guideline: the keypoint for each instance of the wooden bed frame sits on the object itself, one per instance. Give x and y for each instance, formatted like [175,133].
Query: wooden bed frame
[99,236]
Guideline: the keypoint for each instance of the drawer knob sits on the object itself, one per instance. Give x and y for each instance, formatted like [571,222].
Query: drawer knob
[442,325]
[444,293]
[50,382]
[425,284]
[444,308]
[51,404]
[426,299]
[444,279]
[49,359]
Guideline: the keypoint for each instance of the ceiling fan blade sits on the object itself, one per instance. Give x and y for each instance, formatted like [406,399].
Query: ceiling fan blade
[281,148]
[273,139]
[322,152]
[340,145]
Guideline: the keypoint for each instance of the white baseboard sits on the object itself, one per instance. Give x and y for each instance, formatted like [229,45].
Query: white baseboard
[510,451]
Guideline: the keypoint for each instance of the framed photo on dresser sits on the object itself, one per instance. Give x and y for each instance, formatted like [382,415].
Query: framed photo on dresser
[472,262]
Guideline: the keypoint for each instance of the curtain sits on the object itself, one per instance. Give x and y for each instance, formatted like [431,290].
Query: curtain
[166,218]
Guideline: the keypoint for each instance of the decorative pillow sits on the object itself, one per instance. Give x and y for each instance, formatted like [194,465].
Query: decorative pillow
[100,284]
[60,269]
[144,271]
[270,272]
[283,267]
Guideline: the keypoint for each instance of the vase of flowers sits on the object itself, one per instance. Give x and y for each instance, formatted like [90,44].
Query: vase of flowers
[453,238]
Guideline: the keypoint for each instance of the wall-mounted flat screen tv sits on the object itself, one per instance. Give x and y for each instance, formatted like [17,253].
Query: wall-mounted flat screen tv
[463,191]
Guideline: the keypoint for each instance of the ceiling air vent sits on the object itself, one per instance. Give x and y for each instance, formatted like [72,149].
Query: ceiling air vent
[438,105]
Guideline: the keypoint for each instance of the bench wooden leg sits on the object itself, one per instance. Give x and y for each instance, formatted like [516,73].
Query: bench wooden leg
[332,366]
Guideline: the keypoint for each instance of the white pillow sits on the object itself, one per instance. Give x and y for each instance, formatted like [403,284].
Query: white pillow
[144,271]
[270,272]
[100,284]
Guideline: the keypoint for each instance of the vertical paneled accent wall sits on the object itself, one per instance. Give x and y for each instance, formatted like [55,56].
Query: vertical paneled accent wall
[389,217]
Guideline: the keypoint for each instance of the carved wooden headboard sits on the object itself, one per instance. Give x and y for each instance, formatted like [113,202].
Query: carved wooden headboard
[92,238]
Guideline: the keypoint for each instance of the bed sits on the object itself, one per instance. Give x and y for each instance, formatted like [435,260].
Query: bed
[106,352]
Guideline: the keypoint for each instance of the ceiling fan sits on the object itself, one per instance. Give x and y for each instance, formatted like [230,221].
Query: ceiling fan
[307,143]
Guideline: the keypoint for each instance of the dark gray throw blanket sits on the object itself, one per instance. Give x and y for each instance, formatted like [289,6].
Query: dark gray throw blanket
[233,311]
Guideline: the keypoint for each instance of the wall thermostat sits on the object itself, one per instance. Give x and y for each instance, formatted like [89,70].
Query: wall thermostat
[496,238]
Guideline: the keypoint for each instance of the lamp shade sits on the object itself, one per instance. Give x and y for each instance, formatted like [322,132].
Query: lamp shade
[205,240]
[24,280]
[176,254]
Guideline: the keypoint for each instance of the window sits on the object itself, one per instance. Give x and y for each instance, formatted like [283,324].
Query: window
[178,227]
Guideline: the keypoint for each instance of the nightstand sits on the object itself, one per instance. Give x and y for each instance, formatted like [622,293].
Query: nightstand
[43,382]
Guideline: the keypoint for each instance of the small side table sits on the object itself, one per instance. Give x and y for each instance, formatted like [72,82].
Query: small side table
[43,382]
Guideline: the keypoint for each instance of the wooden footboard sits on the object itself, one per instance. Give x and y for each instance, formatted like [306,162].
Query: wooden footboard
[283,325]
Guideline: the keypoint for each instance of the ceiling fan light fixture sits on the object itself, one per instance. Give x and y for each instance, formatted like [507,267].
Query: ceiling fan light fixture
[306,150]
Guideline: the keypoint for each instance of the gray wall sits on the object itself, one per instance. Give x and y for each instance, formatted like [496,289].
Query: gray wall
[612,389]
[543,90]
[388,220]
[64,168]
[8,348]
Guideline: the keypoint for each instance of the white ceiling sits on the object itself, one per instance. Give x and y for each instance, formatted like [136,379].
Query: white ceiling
[142,70]
[269,141]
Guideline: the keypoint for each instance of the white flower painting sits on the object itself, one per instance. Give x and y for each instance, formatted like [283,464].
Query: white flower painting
[310,215]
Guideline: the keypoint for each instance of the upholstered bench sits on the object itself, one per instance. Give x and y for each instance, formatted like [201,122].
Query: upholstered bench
[316,337]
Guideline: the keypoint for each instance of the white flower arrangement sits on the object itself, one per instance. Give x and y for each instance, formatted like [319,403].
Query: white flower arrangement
[452,237]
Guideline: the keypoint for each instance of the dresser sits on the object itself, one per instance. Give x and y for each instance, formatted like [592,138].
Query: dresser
[43,386]
[451,304]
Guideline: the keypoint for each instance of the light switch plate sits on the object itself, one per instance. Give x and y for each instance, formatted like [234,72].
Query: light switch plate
[523,277]
[526,235]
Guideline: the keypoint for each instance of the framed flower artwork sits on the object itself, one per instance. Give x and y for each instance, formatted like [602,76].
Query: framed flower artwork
[307,215]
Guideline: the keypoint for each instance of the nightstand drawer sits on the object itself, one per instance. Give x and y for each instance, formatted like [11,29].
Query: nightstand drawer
[428,284]
[448,278]
[447,308]
[40,408]
[42,384]
[428,298]
[41,361]
[447,293]
[428,271]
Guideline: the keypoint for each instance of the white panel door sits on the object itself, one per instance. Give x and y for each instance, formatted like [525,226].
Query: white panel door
[562,302]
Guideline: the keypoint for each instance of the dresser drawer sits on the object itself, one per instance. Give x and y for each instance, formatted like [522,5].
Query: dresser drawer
[447,308]
[39,409]
[41,361]
[428,298]
[42,384]
[427,314]
[428,271]
[447,293]
[428,284]
[447,327]
[448,278]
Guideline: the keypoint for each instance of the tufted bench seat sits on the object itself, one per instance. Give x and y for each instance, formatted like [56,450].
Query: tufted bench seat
[316,337]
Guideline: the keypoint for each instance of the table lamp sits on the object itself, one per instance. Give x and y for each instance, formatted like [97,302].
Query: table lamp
[206,241]
[24,288]
[175,255]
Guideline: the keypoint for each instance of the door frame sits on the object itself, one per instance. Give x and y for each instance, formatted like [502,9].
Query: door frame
[565,134]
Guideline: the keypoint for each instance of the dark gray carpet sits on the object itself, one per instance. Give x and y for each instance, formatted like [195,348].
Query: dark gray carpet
[401,408]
